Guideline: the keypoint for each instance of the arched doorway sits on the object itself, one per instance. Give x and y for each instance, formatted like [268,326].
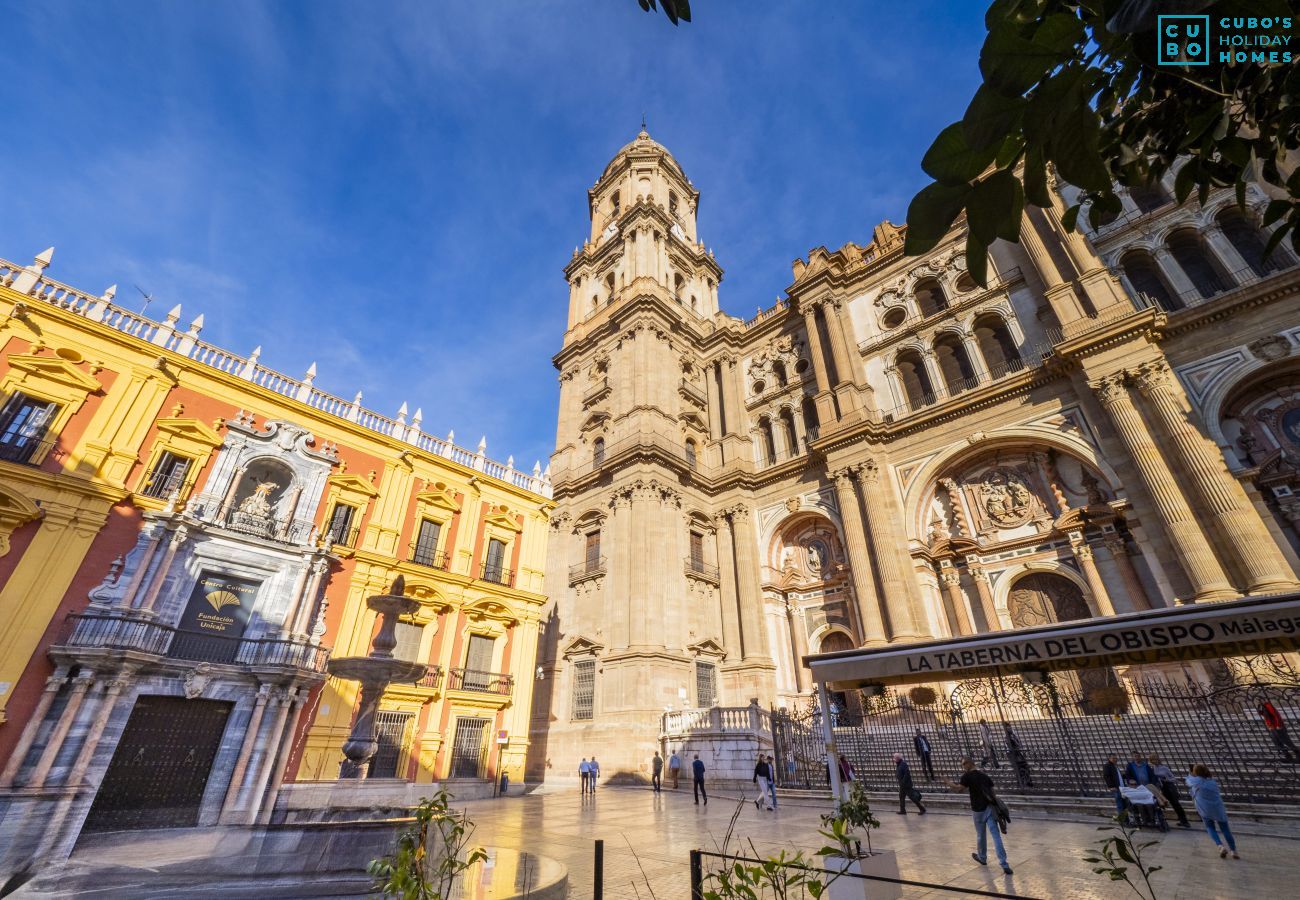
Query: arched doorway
[1041,598]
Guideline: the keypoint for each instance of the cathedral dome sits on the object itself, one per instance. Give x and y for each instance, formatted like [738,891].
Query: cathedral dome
[642,146]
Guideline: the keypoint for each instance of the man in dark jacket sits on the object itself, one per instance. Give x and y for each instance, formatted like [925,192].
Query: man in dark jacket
[906,790]
[923,748]
[1110,775]
[657,773]
[697,771]
[1140,770]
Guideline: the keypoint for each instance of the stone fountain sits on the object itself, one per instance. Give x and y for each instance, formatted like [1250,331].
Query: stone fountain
[375,673]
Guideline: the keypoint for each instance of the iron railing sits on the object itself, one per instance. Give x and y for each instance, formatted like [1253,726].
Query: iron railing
[696,566]
[440,560]
[128,633]
[25,451]
[497,574]
[432,678]
[282,529]
[480,682]
[588,568]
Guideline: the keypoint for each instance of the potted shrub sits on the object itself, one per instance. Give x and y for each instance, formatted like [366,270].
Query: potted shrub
[846,829]
[922,696]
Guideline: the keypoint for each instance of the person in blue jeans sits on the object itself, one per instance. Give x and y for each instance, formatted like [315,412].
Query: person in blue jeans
[980,787]
[1209,803]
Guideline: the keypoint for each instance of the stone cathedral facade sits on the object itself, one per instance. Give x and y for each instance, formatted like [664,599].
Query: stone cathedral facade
[892,453]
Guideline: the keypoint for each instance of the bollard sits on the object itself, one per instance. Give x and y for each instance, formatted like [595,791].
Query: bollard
[697,876]
[598,875]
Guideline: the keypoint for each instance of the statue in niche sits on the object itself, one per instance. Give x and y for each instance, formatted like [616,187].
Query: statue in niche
[1007,498]
[253,515]
[818,557]
[1092,488]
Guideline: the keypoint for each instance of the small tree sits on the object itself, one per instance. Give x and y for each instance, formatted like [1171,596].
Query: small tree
[418,871]
[851,817]
[1120,848]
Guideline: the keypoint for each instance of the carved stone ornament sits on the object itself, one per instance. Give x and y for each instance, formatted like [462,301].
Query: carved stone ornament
[1006,498]
[1271,348]
[196,682]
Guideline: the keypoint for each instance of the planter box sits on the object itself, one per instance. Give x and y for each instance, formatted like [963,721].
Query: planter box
[882,863]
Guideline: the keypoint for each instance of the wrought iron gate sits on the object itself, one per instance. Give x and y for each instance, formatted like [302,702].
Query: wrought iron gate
[1052,736]
[161,765]
[390,732]
[469,748]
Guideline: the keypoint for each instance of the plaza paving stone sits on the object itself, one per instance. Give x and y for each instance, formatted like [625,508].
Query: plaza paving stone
[1046,854]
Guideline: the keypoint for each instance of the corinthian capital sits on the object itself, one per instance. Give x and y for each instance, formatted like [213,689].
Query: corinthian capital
[1110,390]
[845,477]
[868,472]
[1153,376]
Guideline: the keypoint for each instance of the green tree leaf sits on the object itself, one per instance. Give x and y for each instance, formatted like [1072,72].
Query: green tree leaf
[991,117]
[931,214]
[950,160]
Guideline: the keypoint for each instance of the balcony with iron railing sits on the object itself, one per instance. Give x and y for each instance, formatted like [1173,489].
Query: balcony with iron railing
[284,529]
[25,451]
[588,568]
[477,682]
[1033,357]
[129,633]
[1217,286]
[497,574]
[700,569]
[161,487]
[431,679]
[440,560]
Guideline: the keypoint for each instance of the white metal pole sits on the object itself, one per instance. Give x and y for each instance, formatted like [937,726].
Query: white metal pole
[828,735]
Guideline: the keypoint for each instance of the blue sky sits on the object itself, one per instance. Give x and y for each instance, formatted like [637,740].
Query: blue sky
[392,189]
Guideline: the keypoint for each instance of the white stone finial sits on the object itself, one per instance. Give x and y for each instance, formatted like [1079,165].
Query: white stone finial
[510,461]
[174,314]
[418,417]
[482,445]
[402,410]
[43,258]
[356,401]
[257,351]
[197,325]
[109,293]
[311,373]
[451,436]
[546,475]
[537,468]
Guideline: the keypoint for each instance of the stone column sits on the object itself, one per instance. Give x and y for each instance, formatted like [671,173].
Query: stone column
[160,577]
[976,356]
[855,540]
[950,578]
[987,606]
[733,390]
[815,350]
[1185,292]
[727,588]
[308,602]
[1083,553]
[80,685]
[245,750]
[839,344]
[1039,258]
[282,756]
[844,330]
[1222,496]
[1233,261]
[19,754]
[106,704]
[938,387]
[620,585]
[753,635]
[1118,549]
[799,642]
[897,593]
[296,598]
[714,401]
[137,577]
[636,600]
[262,772]
[1206,574]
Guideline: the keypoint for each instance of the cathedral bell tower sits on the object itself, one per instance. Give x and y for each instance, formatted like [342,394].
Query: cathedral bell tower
[642,617]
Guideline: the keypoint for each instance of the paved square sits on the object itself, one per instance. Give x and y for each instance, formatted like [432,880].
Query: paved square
[1045,853]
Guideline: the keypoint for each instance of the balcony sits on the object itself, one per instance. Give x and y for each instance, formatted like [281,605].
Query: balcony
[692,393]
[431,679]
[478,682]
[281,529]
[595,392]
[494,573]
[103,632]
[700,569]
[588,568]
[440,561]
[24,451]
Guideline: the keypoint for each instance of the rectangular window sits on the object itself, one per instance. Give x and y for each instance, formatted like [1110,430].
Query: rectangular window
[167,477]
[697,549]
[390,733]
[706,691]
[593,550]
[426,544]
[408,641]
[341,524]
[494,568]
[23,423]
[469,747]
[479,657]
[584,689]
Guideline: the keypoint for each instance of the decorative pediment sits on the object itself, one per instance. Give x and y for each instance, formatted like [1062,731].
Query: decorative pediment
[51,371]
[595,419]
[501,517]
[581,646]
[191,432]
[439,495]
[352,484]
[708,647]
[15,510]
[489,608]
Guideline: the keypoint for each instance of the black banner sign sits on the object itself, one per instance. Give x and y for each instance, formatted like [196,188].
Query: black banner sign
[215,617]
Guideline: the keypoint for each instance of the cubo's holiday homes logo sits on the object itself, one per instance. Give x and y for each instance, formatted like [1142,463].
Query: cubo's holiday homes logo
[1198,40]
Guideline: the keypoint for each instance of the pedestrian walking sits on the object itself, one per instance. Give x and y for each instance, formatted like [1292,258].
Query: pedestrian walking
[846,770]
[697,772]
[1019,761]
[1139,770]
[771,764]
[906,790]
[657,768]
[584,774]
[1277,731]
[762,778]
[923,749]
[1168,787]
[675,768]
[1209,803]
[986,739]
[1110,775]
[985,812]
[595,774]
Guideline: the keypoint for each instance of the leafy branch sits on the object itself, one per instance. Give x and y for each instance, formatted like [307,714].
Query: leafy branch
[413,872]
[1121,848]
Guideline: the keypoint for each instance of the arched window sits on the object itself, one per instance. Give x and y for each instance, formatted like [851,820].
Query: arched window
[690,453]
[966,283]
[791,435]
[1191,254]
[810,423]
[678,284]
[958,374]
[615,203]
[769,440]
[1144,275]
[916,381]
[1149,197]
[778,371]
[609,287]
[1245,237]
[693,305]
[930,298]
[598,452]
[997,346]
[672,203]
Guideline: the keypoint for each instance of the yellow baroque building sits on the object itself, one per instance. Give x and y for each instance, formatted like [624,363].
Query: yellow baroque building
[186,536]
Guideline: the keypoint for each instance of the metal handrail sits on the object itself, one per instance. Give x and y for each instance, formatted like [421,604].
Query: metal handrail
[440,560]
[497,574]
[697,566]
[587,567]
[26,453]
[461,679]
